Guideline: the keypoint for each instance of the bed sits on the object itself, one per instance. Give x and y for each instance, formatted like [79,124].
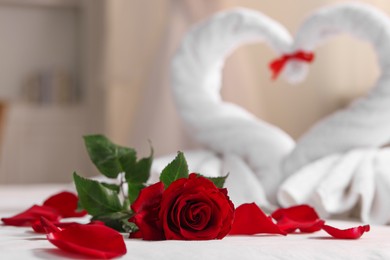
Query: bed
[23,243]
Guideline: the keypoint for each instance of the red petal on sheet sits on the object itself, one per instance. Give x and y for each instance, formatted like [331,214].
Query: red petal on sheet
[302,217]
[31,215]
[66,204]
[249,219]
[93,240]
[313,227]
[290,226]
[350,233]
[44,226]
[300,213]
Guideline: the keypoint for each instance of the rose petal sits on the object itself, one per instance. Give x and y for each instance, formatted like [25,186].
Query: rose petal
[66,204]
[44,226]
[249,219]
[300,213]
[92,240]
[302,217]
[312,227]
[146,208]
[350,233]
[31,215]
[290,226]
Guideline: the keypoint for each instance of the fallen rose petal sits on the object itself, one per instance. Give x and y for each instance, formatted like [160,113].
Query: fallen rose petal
[44,226]
[39,227]
[350,233]
[300,213]
[66,204]
[31,215]
[302,217]
[311,228]
[92,240]
[290,226]
[249,219]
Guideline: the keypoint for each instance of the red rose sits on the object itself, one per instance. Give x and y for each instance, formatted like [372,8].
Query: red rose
[146,209]
[195,209]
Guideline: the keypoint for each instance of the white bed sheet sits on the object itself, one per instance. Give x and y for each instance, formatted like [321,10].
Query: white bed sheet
[23,243]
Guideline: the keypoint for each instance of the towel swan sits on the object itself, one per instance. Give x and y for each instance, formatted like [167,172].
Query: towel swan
[263,150]
[343,156]
[224,127]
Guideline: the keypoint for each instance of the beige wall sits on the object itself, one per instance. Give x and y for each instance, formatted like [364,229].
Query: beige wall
[142,36]
[126,47]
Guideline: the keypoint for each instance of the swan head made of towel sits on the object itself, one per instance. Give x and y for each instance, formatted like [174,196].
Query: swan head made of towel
[270,153]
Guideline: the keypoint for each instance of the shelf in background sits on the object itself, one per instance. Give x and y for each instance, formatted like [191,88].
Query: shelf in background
[42,3]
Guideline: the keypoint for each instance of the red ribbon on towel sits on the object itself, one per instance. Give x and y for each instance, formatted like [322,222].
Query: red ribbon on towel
[277,65]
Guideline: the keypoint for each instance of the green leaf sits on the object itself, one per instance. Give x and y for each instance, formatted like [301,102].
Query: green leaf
[177,169]
[109,158]
[116,220]
[134,190]
[218,181]
[140,173]
[111,186]
[95,198]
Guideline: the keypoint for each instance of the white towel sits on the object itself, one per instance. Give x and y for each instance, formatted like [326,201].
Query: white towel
[337,183]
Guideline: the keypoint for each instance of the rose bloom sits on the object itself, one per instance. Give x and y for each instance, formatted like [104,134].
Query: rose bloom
[195,209]
[190,209]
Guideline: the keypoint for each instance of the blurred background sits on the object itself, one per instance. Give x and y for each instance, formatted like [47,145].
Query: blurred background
[74,67]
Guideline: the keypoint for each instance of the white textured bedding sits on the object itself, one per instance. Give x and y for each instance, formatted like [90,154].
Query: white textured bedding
[21,243]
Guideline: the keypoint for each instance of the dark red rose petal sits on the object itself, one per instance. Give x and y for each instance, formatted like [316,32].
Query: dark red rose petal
[290,226]
[249,219]
[92,240]
[300,213]
[44,226]
[66,204]
[31,215]
[350,233]
[146,208]
[302,217]
[136,234]
[312,227]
